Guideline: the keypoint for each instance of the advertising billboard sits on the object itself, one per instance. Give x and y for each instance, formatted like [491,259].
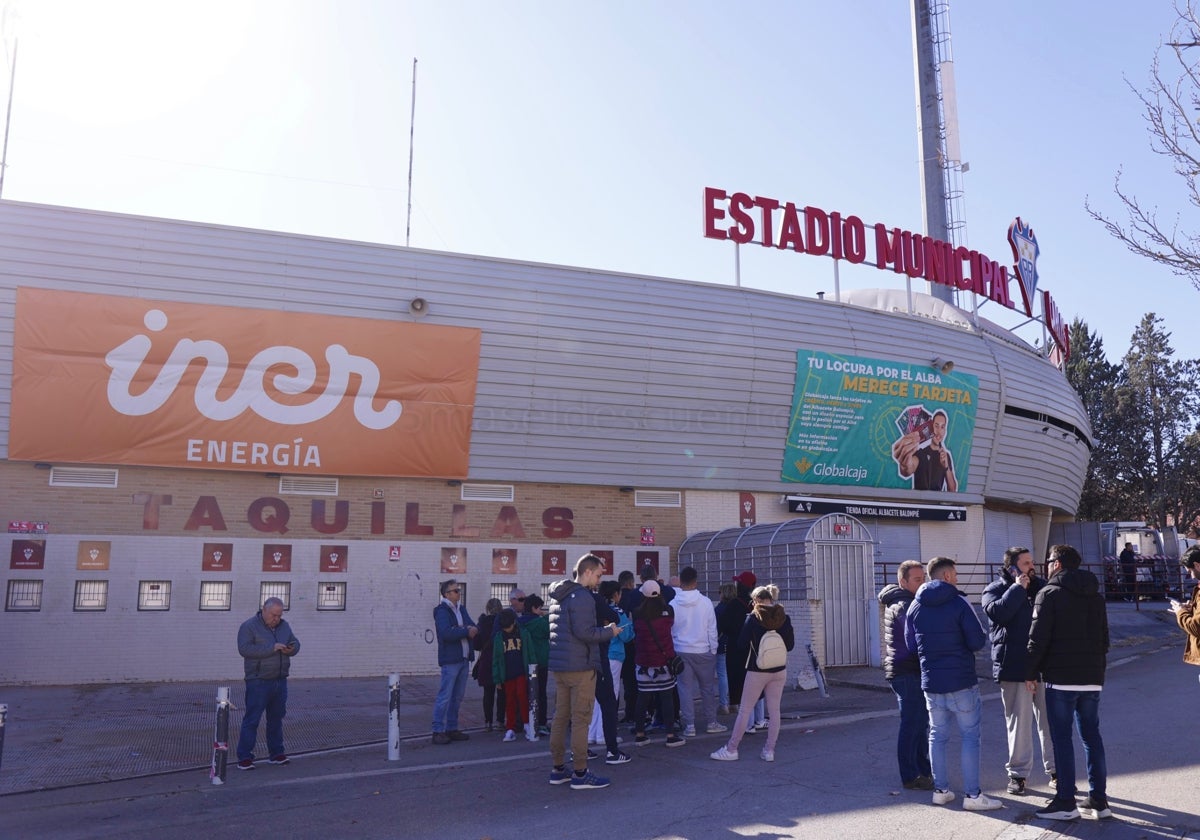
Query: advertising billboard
[116,380]
[878,423]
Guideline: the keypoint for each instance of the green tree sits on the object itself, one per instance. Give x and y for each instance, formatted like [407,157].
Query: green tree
[1105,497]
[1157,404]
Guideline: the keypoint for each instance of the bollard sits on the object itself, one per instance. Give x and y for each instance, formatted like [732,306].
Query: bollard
[531,726]
[393,717]
[3,718]
[220,756]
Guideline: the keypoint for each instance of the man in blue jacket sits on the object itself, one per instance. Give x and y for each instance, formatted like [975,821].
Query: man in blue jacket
[1008,604]
[943,630]
[455,630]
[267,645]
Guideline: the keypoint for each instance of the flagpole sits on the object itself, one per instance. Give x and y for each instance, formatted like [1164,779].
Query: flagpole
[412,118]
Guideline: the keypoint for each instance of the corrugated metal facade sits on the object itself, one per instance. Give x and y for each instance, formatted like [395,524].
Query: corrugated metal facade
[585,377]
[588,382]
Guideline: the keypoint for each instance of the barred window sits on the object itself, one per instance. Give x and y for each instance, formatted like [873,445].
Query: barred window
[276,589]
[216,594]
[331,595]
[91,595]
[154,595]
[23,596]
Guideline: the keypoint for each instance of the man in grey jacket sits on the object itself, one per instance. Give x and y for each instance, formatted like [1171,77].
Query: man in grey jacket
[574,658]
[267,645]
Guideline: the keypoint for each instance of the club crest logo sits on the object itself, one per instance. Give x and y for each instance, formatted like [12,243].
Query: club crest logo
[1025,251]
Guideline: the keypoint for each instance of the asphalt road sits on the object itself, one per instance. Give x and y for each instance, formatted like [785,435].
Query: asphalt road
[834,778]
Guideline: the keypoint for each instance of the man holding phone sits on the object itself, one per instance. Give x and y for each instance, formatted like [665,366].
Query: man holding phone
[1188,615]
[267,644]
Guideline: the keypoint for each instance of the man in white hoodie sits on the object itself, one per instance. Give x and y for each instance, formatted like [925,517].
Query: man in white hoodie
[695,637]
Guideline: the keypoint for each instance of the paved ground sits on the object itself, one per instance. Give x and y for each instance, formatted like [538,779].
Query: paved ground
[65,736]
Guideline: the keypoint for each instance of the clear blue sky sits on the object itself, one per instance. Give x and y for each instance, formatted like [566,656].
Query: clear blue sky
[583,133]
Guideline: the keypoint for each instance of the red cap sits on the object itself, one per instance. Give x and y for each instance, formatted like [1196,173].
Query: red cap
[747,579]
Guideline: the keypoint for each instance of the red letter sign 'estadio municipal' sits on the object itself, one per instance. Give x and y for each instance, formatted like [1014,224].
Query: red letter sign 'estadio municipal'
[771,223]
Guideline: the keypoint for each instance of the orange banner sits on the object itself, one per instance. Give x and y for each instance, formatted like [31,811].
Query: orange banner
[113,380]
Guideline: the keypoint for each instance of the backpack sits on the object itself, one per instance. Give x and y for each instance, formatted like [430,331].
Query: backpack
[772,652]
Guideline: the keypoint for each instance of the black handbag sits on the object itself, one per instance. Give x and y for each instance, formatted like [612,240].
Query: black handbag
[675,663]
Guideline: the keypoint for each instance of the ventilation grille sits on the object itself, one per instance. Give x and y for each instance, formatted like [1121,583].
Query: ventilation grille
[487,492]
[658,498]
[83,477]
[307,485]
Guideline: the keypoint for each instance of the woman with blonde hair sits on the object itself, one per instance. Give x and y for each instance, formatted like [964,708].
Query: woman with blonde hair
[766,680]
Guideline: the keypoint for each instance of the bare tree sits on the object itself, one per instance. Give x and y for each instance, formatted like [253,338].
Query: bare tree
[1171,108]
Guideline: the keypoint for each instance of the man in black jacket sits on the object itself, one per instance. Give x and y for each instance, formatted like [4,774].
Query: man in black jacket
[902,670]
[1068,645]
[1008,603]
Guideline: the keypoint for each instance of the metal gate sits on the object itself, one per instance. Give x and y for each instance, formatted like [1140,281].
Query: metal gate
[843,577]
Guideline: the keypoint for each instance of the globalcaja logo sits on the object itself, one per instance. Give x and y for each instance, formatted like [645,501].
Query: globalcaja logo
[1025,251]
[804,465]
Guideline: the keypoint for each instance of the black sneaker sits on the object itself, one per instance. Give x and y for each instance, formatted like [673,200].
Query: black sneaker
[458,735]
[246,764]
[441,738]
[1058,809]
[617,757]
[919,783]
[1016,786]
[674,740]
[279,759]
[641,740]
[1095,808]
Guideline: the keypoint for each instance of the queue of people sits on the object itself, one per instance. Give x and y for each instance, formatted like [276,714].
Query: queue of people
[1048,643]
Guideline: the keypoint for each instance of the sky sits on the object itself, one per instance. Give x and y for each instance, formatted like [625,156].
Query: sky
[584,134]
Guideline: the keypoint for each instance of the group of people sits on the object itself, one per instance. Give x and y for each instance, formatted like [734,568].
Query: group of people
[1049,642]
[678,658]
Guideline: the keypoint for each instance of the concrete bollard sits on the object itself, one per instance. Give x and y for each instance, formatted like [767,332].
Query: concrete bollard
[393,717]
[220,756]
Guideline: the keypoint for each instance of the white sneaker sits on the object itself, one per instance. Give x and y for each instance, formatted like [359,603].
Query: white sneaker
[724,754]
[981,803]
[941,797]
[714,727]
[689,731]
[767,755]
[510,735]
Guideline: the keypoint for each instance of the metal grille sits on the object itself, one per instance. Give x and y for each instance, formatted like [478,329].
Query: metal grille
[216,594]
[154,595]
[307,485]
[276,589]
[91,595]
[842,580]
[24,596]
[83,477]
[501,590]
[331,596]
[487,493]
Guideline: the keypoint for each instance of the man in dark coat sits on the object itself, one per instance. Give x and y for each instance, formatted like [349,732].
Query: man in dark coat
[902,670]
[1008,604]
[1068,646]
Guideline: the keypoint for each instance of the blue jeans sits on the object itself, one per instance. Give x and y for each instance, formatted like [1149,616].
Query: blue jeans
[722,681]
[912,744]
[966,709]
[268,696]
[449,697]
[1084,708]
